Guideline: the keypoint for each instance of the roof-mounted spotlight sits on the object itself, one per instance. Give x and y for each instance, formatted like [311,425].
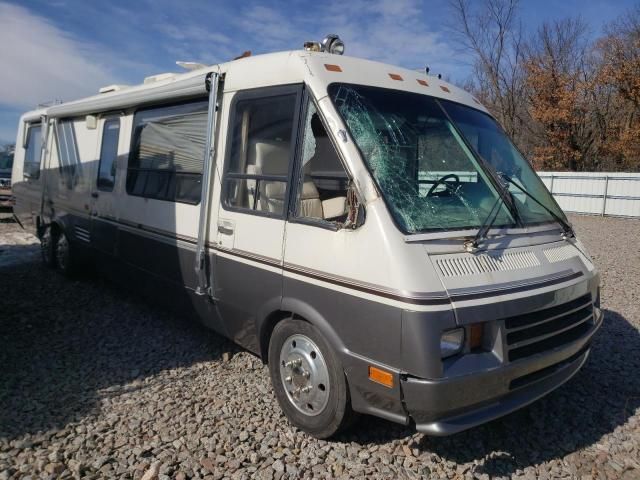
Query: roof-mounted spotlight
[312,46]
[333,44]
[330,44]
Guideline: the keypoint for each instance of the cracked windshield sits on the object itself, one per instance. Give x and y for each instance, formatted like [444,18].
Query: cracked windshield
[428,176]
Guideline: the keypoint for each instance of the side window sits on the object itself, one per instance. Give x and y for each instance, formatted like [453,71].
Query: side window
[69,159]
[322,182]
[32,153]
[167,152]
[108,155]
[256,177]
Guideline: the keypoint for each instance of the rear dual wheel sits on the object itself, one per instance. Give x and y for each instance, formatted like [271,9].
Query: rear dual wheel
[308,379]
[47,248]
[65,259]
[57,252]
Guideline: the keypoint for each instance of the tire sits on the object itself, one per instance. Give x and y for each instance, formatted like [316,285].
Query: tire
[308,379]
[47,248]
[65,256]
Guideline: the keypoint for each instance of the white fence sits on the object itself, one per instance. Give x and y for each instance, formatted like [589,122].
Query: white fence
[616,194]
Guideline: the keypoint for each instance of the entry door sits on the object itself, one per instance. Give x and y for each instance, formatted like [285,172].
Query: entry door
[254,201]
[104,229]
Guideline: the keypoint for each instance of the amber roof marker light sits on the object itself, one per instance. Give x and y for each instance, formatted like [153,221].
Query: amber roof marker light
[332,43]
[332,68]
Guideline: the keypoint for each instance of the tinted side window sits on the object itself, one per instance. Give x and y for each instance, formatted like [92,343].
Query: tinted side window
[167,152]
[108,154]
[32,153]
[260,153]
[68,156]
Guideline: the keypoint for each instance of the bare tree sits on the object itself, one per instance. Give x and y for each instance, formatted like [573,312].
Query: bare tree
[492,34]
[619,76]
[570,103]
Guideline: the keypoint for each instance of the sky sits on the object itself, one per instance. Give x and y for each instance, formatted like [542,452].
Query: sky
[67,49]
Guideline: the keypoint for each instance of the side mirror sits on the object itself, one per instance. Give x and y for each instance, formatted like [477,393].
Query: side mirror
[355,209]
[25,135]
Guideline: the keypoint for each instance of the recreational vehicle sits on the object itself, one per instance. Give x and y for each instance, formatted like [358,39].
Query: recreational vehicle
[6,165]
[369,231]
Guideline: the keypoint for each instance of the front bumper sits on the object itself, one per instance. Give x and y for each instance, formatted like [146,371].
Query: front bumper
[450,405]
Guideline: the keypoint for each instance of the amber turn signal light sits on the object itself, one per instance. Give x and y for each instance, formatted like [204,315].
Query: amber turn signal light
[380,376]
[476,332]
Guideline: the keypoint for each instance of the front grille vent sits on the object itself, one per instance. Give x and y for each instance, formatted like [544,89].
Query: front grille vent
[485,263]
[547,329]
[558,254]
[545,372]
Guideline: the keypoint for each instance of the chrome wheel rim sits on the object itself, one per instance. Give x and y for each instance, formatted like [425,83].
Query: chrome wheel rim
[304,375]
[62,251]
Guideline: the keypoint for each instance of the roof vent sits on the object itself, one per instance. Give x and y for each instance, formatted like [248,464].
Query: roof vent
[112,88]
[191,65]
[159,77]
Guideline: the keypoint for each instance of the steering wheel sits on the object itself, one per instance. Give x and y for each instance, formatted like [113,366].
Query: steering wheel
[446,181]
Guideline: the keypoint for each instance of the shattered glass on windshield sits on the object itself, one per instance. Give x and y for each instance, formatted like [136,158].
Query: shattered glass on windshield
[427,175]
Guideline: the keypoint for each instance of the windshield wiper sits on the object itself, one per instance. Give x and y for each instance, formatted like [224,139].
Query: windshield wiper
[567,230]
[472,245]
[503,194]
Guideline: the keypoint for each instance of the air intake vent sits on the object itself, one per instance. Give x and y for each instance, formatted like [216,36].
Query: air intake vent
[485,263]
[559,254]
[83,234]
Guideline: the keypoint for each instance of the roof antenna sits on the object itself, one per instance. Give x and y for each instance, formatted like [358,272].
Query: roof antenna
[426,70]
[439,76]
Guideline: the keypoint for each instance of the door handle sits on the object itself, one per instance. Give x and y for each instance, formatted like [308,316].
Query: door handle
[225,227]
[94,194]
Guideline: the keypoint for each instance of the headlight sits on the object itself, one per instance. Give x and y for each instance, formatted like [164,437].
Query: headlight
[451,342]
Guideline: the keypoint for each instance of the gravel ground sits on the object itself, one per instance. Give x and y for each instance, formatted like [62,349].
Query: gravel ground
[96,383]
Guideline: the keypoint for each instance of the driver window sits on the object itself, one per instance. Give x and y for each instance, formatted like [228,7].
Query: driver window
[323,183]
[261,148]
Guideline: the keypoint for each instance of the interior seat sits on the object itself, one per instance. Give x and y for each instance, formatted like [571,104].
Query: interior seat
[272,158]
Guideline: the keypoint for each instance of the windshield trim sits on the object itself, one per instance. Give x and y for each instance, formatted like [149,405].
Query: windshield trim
[493,232]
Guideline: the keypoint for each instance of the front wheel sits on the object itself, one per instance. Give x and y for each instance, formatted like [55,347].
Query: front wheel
[308,379]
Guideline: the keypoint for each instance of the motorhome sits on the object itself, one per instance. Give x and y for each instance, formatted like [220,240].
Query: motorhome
[6,166]
[369,231]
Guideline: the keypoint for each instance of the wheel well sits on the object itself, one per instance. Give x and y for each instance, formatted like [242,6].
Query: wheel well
[54,226]
[267,329]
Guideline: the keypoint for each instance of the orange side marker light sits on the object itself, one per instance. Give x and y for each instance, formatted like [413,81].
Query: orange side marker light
[395,76]
[445,89]
[380,376]
[423,82]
